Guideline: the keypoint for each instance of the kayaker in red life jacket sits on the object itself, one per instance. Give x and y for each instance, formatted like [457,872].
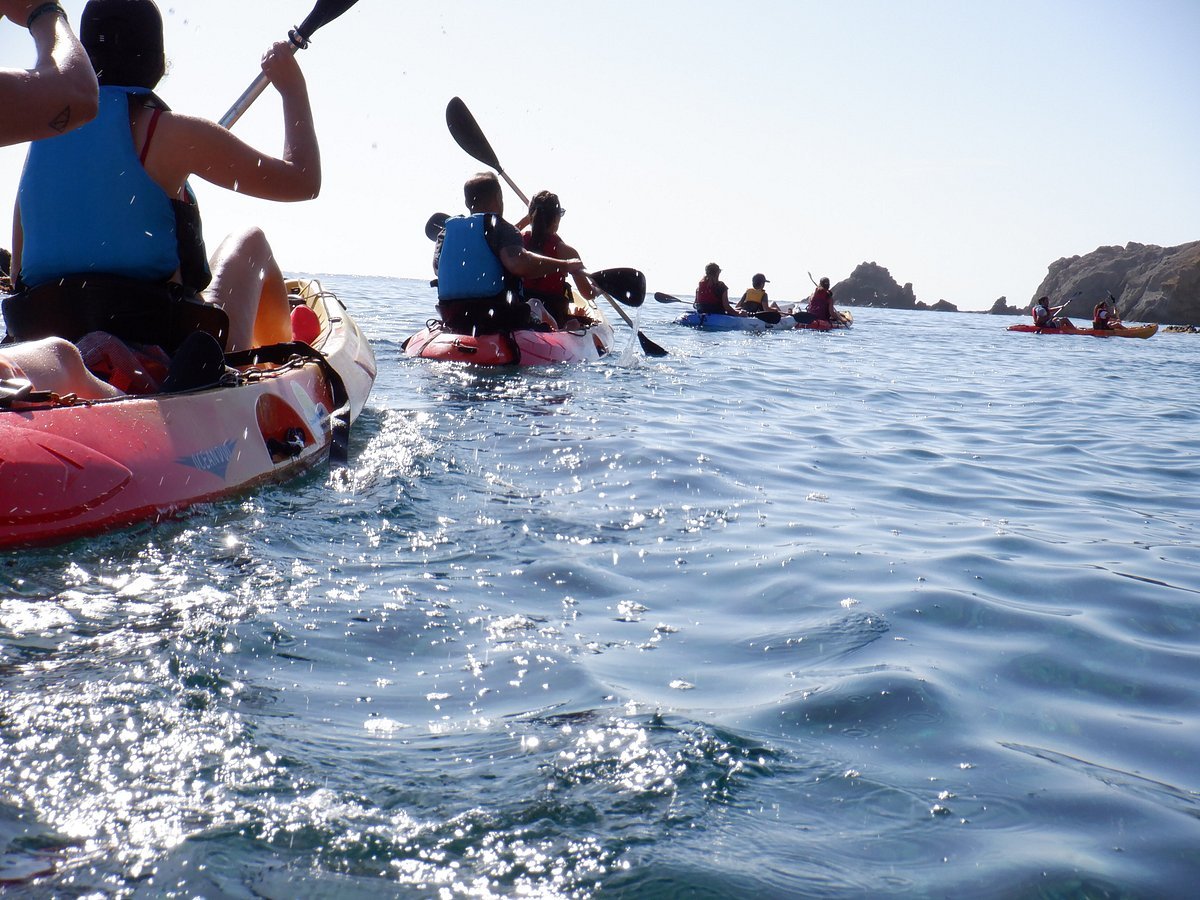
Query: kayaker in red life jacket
[1104,318]
[545,214]
[712,294]
[1045,317]
[56,96]
[820,306]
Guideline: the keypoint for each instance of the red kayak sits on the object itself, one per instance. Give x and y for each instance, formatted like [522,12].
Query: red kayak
[1132,331]
[74,468]
[586,343]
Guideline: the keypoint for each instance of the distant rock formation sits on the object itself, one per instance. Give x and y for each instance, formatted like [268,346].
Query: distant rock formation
[1151,284]
[1001,308]
[870,284]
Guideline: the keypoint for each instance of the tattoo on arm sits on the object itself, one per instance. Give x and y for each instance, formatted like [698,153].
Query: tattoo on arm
[60,122]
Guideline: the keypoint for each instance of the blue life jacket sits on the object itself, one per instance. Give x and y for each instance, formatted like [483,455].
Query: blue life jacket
[88,205]
[468,267]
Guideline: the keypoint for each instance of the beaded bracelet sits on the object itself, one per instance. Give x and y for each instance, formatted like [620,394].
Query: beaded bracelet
[42,10]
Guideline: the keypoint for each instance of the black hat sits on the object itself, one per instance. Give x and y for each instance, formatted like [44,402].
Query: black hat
[124,40]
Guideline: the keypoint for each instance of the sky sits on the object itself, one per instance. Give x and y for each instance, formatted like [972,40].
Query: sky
[963,145]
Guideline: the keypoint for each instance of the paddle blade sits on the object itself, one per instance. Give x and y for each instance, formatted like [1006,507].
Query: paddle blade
[666,298]
[649,347]
[770,316]
[627,286]
[322,14]
[468,135]
[436,225]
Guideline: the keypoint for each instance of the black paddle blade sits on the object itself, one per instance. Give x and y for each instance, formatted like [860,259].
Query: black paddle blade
[467,133]
[322,14]
[649,347]
[666,298]
[436,225]
[770,316]
[627,286]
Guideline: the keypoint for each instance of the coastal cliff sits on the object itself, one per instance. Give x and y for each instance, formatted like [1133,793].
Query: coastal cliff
[1151,284]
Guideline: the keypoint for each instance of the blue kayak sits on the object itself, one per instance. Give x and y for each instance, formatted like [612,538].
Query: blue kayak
[721,322]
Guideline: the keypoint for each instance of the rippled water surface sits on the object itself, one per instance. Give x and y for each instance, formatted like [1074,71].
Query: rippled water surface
[910,610]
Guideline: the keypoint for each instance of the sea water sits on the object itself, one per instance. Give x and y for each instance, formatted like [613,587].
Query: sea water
[907,610]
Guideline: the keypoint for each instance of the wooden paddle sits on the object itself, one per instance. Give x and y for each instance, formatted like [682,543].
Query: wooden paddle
[322,14]
[468,135]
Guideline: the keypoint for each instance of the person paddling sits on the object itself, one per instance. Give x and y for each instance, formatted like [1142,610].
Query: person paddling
[480,260]
[1045,317]
[712,294]
[820,306]
[1104,317]
[107,229]
[755,300]
[551,289]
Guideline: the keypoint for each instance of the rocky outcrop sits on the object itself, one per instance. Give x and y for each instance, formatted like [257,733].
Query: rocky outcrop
[1151,284]
[871,284]
[940,306]
[1001,308]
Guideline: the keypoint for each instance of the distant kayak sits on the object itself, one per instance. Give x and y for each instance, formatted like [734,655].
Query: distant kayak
[721,322]
[529,347]
[1135,331]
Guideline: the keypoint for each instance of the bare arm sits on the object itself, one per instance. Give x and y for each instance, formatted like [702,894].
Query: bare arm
[581,281]
[531,265]
[59,93]
[187,145]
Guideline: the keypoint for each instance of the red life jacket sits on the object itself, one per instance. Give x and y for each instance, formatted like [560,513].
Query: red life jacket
[708,297]
[820,305]
[553,284]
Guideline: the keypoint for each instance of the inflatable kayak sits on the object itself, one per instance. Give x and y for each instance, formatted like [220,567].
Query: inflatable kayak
[1132,331]
[721,322]
[587,343]
[71,468]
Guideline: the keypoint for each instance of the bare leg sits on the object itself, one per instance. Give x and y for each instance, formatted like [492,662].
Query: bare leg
[248,284]
[53,364]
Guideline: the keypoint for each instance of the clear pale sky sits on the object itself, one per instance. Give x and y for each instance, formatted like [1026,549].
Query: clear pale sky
[963,145]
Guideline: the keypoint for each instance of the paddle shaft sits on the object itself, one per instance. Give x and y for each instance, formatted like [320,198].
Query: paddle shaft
[467,134]
[324,12]
[249,95]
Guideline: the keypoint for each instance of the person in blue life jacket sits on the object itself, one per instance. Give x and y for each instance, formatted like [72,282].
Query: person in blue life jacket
[107,235]
[57,95]
[480,260]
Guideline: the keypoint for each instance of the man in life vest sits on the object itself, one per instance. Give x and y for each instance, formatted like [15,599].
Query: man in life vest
[712,294]
[480,260]
[1104,317]
[1046,317]
[755,299]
